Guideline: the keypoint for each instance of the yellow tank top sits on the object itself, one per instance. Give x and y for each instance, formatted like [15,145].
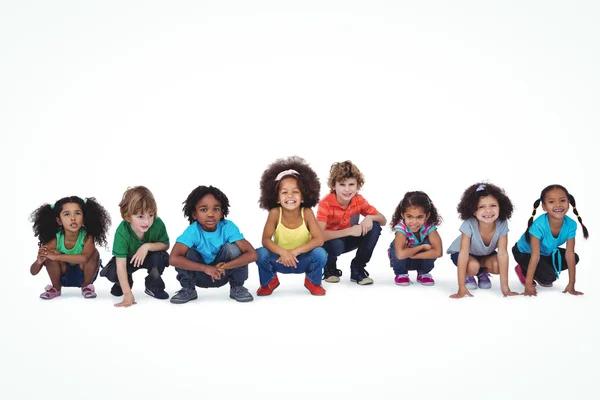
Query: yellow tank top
[291,238]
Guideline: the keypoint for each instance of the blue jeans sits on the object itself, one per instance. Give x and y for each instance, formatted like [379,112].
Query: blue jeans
[236,276]
[365,245]
[401,267]
[311,263]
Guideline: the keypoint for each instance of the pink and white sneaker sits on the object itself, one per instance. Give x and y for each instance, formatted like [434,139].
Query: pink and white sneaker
[50,293]
[425,279]
[520,275]
[402,280]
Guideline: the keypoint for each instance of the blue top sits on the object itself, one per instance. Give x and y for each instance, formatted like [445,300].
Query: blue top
[208,244]
[548,243]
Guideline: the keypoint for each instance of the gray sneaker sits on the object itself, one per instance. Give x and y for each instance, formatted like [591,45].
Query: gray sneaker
[240,293]
[184,295]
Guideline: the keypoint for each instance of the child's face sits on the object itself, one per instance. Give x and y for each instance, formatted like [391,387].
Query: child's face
[208,213]
[414,218]
[141,222]
[289,196]
[346,190]
[70,217]
[556,203]
[488,209]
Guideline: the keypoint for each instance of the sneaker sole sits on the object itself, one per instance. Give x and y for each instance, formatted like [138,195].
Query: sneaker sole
[178,301]
[154,297]
[244,300]
[402,284]
[427,284]
[332,279]
[485,287]
[364,282]
[471,287]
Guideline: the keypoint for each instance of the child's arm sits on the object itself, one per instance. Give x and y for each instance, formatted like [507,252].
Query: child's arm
[435,251]
[463,260]
[128,299]
[355,230]
[177,259]
[367,222]
[533,262]
[403,251]
[89,248]
[316,234]
[570,256]
[503,266]
[248,256]
[285,256]
[37,265]
[140,255]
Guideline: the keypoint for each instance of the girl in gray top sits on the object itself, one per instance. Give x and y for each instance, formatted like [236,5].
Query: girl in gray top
[482,247]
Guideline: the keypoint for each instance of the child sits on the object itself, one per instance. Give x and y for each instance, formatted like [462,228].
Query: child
[141,242]
[289,188]
[338,216]
[485,209]
[68,232]
[417,243]
[211,251]
[538,253]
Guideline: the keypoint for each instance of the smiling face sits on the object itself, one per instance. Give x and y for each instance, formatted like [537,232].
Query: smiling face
[346,190]
[208,213]
[141,222]
[556,203]
[289,195]
[488,210]
[70,217]
[414,218]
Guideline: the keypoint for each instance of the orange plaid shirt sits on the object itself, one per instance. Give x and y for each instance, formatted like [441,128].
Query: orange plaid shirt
[331,212]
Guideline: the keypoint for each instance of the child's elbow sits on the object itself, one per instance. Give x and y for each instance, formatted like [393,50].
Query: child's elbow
[253,256]
[439,253]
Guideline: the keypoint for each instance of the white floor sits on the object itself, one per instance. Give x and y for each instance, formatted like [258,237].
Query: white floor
[433,96]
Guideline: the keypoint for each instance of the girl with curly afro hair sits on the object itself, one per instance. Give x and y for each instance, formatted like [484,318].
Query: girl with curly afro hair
[417,243]
[481,248]
[68,232]
[292,239]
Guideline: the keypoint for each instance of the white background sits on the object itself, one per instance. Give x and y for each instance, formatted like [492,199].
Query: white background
[434,96]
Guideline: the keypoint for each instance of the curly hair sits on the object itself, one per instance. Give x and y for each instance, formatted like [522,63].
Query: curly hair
[189,205]
[542,199]
[308,182]
[96,219]
[416,199]
[470,199]
[136,200]
[340,171]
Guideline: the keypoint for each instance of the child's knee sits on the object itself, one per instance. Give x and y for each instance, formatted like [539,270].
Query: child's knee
[263,253]
[230,251]
[319,255]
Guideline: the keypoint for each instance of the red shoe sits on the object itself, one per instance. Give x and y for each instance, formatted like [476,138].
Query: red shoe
[268,289]
[520,275]
[315,290]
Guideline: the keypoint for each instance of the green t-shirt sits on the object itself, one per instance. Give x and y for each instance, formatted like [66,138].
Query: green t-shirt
[126,242]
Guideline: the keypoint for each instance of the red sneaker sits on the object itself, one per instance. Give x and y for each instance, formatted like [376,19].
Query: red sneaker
[268,289]
[520,275]
[315,290]
[425,279]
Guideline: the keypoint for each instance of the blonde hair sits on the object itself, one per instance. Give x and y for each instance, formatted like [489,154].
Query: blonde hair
[137,200]
[340,171]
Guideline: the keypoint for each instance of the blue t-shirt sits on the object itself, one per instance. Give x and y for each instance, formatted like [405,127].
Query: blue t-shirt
[548,243]
[208,244]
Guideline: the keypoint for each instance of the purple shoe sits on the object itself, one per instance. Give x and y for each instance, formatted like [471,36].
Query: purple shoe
[484,281]
[470,283]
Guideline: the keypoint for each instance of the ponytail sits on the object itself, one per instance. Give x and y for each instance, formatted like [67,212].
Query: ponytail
[536,204]
[572,201]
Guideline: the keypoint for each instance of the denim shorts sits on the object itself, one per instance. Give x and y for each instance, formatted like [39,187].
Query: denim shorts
[454,257]
[74,275]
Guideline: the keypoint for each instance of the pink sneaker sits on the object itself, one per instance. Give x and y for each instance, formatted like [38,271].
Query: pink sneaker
[402,280]
[520,275]
[425,279]
[88,292]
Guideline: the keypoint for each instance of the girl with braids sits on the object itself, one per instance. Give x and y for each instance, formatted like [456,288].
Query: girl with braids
[417,243]
[538,253]
[292,239]
[68,232]
[211,251]
[481,248]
